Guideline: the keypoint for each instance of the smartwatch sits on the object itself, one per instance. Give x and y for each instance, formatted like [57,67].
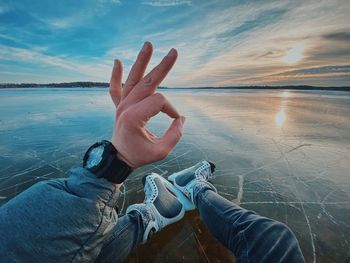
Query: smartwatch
[101,159]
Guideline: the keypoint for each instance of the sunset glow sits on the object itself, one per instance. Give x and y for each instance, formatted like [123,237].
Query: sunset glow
[220,43]
[294,55]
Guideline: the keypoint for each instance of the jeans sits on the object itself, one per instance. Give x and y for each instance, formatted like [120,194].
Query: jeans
[250,237]
[74,220]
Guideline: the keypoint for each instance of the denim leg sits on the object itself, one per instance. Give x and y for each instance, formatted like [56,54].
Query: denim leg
[250,237]
[126,235]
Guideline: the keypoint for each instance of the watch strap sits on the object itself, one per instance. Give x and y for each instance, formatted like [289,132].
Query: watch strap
[111,168]
[115,170]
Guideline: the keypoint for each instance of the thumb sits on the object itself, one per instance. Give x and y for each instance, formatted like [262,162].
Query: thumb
[172,136]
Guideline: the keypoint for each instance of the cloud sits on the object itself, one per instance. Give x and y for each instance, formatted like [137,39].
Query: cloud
[318,70]
[5,36]
[117,2]
[123,53]
[69,21]
[79,16]
[316,75]
[4,8]
[210,52]
[163,3]
[62,23]
[259,20]
[256,53]
[219,42]
[339,36]
[93,70]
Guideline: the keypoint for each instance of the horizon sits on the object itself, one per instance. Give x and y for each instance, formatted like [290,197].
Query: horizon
[88,84]
[225,43]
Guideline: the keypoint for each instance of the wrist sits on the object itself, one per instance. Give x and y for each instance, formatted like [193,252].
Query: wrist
[102,160]
[122,158]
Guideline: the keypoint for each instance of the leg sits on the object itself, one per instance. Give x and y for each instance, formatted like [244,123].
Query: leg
[160,208]
[252,238]
[126,236]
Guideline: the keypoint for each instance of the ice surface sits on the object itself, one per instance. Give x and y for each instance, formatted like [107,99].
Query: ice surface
[283,154]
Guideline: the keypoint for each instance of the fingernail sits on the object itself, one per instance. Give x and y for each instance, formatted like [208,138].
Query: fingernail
[183,119]
[116,62]
[145,46]
[172,52]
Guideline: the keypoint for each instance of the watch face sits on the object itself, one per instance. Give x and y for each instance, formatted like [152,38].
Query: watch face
[101,159]
[94,157]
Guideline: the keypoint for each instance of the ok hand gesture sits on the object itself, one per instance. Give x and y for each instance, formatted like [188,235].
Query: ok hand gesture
[136,103]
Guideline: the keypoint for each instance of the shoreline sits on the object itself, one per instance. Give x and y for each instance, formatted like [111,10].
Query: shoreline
[104,85]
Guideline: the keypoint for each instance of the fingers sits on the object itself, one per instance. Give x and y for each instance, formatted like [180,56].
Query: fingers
[115,86]
[150,82]
[152,105]
[172,135]
[138,69]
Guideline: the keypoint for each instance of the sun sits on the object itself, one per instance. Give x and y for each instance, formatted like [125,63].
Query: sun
[294,55]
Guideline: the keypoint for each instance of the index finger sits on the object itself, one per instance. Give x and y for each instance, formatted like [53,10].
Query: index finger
[138,69]
[152,105]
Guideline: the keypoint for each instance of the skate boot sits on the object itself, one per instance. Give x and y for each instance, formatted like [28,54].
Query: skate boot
[185,180]
[161,206]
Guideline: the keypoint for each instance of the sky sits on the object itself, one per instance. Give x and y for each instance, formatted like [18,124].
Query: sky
[220,43]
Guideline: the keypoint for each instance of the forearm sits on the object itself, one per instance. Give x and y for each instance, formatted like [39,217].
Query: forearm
[69,218]
[62,218]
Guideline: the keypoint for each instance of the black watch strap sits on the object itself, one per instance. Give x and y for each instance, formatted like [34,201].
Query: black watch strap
[111,168]
[116,172]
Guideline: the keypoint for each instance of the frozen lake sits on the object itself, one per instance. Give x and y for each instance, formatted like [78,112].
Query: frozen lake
[283,154]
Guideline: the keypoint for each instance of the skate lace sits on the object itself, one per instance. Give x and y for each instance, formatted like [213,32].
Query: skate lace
[203,172]
[151,190]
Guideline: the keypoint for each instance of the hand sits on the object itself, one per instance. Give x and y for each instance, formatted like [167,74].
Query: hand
[136,103]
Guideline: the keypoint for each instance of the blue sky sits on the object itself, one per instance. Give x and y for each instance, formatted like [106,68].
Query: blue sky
[220,43]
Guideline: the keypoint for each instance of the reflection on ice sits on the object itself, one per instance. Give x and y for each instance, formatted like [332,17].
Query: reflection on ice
[285,94]
[280,118]
[298,175]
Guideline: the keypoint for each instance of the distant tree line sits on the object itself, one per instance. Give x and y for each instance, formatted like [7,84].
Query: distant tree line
[88,84]
[289,87]
[78,84]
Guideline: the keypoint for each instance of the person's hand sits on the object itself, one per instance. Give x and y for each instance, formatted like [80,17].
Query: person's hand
[136,103]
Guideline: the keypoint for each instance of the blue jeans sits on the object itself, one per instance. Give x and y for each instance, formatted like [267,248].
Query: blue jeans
[250,237]
[74,220]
